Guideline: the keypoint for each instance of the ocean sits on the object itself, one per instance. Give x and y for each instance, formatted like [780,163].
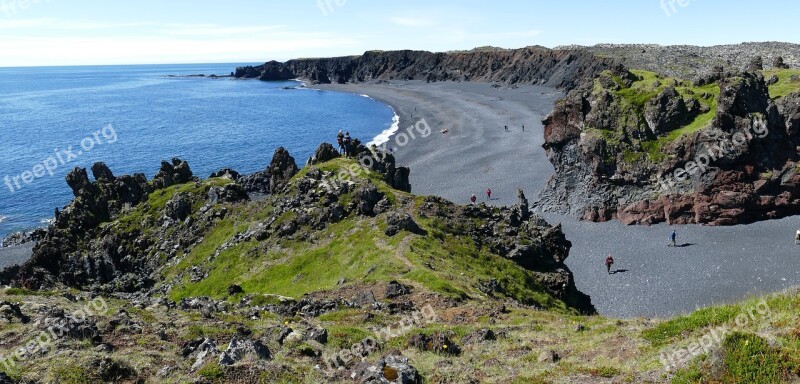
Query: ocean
[53,119]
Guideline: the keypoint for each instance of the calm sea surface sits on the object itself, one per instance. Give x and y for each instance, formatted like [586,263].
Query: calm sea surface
[131,117]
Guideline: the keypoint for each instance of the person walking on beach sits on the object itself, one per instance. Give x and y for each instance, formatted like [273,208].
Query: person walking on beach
[488,194]
[523,128]
[609,263]
[473,199]
[672,238]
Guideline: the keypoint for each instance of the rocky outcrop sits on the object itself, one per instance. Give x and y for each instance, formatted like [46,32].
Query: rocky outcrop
[271,180]
[59,255]
[614,161]
[20,238]
[668,112]
[532,65]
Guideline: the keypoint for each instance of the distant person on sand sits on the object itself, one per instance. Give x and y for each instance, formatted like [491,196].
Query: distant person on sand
[609,263]
[473,199]
[672,238]
[523,128]
[488,194]
[505,127]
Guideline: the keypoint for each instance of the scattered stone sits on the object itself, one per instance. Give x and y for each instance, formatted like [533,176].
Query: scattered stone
[397,222]
[238,349]
[437,343]
[395,289]
[320,335]
[548,357]
[234,289]
[479,336]
[12,313]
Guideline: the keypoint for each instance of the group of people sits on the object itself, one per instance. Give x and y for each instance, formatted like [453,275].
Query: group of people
[345,143]
[473,199]
[672,243]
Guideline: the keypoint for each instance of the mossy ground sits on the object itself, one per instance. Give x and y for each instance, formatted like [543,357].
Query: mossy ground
[353,250]
[631,100]
[441,267]
[764,350]
[785,85]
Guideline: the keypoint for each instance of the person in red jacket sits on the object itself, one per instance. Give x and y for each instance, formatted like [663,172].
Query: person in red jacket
[488,194]
[609,263]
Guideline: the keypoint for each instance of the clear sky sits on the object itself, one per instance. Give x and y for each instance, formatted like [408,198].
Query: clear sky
[82,32]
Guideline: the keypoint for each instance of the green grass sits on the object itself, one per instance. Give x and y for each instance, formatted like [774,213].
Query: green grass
[750,359]
[28,292]
[785,85]
[671,330]
[631,101]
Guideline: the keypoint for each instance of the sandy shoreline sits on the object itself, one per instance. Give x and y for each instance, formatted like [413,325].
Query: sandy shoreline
[477,153]
[717,265]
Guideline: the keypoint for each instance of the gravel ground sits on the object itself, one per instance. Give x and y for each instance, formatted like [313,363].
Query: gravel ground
[717,265]
[15,255]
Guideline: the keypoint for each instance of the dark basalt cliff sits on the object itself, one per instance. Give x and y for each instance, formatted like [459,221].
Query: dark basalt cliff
[645,149]
[532,65]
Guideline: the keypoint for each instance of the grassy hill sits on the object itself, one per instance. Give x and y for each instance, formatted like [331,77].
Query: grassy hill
[464,293]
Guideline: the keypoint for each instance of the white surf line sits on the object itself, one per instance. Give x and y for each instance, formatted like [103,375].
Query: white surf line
[384,136]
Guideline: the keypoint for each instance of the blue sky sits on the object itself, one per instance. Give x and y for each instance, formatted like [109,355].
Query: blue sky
[82,32]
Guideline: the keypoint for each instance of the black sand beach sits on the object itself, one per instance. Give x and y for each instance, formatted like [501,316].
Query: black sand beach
[15,255]
[715,265]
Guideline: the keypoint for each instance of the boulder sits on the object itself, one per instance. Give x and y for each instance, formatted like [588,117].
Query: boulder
[438,342]
[234,289]
[102,173]
[240,349]
[226,173]
[395,289]
[548,357]
[281,169]
[398,222]
[666,112]
[179,207]
[324,153]
[366,197]
[231,193]
[174,173]
[479,336]
[778,63]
